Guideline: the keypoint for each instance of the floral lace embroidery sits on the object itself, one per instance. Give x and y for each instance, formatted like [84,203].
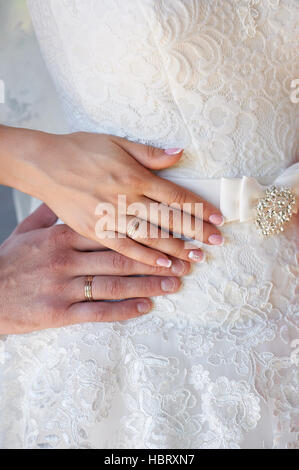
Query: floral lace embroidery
[249,14]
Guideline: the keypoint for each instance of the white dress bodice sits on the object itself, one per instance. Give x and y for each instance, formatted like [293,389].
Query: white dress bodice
[216,365]
[209,76]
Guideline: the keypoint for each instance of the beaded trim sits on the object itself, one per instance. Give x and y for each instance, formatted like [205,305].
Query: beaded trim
[274,210]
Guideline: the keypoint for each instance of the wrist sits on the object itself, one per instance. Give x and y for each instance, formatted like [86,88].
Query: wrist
[21,153]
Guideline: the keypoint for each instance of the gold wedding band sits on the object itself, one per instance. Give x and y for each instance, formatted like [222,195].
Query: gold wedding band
[88,289]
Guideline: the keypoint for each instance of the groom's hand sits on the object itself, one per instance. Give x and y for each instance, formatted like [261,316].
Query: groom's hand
[43,268]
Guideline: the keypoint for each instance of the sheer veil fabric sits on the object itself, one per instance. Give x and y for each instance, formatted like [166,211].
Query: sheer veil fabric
[216,365]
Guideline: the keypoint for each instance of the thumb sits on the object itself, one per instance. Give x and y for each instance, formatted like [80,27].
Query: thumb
[42,217]
[153,158]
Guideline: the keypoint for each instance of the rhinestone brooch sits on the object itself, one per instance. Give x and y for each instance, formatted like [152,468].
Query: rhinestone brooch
[274,210]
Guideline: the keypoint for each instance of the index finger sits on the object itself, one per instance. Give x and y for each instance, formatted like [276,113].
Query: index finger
[167,192]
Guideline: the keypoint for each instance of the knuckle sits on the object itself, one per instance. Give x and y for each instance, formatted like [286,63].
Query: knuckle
[121,245]
[150,285]
[59,234]
[150,151]
[134,179]
[60,260]
[56,290]
[151,154]
[64,260]
[114,288]
[151,243]
[121,263]
[177,250]
[178,196]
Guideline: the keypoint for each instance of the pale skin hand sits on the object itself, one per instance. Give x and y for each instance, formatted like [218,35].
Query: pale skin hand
[73,173]
[42,274]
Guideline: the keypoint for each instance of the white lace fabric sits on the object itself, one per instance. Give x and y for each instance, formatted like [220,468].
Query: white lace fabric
[215,365]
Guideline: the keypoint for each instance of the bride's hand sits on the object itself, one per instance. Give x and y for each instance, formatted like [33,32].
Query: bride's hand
[73,173]
[42,276]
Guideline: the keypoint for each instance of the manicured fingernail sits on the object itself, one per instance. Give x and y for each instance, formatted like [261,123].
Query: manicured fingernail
[197,255]
[216,219]
[168,285]
[216,239]
[173,151]
[178,267]
[166,263]
[143,307]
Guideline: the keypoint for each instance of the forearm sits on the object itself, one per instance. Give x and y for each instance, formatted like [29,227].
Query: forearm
[20,152]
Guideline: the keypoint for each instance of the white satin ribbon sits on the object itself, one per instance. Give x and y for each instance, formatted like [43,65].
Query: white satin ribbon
[237,197]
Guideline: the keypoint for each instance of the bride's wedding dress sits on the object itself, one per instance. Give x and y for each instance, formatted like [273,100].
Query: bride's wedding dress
[216,365]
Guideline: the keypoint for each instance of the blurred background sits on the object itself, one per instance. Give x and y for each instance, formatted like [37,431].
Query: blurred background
[30,97]
[7,213]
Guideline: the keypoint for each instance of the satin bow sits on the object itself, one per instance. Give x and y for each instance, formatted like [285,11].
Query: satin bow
[239,196]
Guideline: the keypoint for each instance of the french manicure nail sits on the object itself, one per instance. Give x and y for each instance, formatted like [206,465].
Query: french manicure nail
[216,219]
[173,151]
[197,255]
[216,239]
[166,263]
[168,285]
[143,307]
[178,267]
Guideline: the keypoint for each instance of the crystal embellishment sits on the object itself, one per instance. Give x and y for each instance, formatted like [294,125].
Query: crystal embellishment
[274,210]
